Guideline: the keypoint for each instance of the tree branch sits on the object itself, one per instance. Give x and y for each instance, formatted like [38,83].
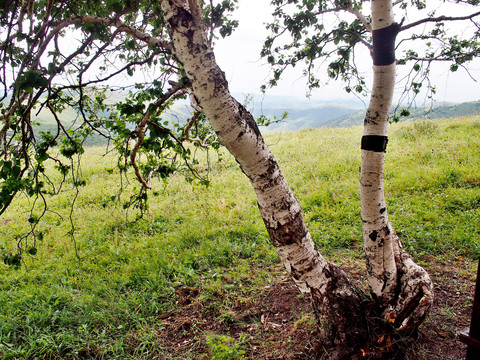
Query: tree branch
[438,19]
[441,57]
[140,35]
[359,16]
[140,130]
[195,9]
[186,131]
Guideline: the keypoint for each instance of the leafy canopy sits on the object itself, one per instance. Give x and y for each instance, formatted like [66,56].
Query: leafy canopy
[101,70]
[338,35]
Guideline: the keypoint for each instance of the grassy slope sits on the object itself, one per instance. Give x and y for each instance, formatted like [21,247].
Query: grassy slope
[113,300]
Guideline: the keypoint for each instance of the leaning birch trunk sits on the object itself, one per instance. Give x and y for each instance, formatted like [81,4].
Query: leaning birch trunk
[337,304]
[403,289]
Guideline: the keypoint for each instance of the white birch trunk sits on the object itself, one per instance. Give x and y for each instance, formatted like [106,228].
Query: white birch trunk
[402,288]
[333,295]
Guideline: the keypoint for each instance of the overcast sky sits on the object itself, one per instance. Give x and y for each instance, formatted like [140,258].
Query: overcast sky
[238,56]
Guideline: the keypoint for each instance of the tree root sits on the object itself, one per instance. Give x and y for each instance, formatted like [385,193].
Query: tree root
[414,296]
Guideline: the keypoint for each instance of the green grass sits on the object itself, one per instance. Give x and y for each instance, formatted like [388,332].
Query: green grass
[110,300]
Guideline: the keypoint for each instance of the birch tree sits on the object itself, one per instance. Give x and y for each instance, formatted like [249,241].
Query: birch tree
[395,280]
[176,37]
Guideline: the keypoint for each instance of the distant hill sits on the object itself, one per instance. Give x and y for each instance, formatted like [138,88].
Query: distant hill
[304,118]
[421,113]
[302,112]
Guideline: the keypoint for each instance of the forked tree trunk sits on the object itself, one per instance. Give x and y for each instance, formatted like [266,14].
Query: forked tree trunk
[402,288]
[338,304]
[340,308]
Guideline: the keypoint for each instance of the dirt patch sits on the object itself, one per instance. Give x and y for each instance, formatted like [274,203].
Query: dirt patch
[276,322]
[454,288]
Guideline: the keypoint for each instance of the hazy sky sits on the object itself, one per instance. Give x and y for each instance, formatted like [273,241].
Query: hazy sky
[238,56]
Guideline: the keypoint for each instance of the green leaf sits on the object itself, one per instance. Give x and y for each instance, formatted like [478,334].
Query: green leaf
[32,219]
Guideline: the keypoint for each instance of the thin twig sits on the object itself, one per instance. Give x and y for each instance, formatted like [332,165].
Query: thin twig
[439,19]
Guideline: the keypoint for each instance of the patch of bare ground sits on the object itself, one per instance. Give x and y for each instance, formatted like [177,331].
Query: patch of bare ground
[454,287]
[276,322]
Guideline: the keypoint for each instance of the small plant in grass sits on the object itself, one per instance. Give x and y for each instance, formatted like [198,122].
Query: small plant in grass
[224,347]
[228,317]
[306,318]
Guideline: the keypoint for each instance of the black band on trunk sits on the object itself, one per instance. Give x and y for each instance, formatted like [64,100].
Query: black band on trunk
[384,44]
[375,143]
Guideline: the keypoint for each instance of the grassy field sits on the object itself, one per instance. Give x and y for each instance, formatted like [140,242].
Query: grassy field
[183,282]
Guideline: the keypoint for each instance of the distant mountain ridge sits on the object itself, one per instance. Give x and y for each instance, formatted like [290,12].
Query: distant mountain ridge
[304,118]
[420,113]
[306,113]
[302,112]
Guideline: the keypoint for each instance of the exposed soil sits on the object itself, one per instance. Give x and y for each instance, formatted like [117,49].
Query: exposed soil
[277,322]
[454,288]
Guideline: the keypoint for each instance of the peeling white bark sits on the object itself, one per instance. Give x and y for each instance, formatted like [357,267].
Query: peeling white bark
[381,267]
[402,287]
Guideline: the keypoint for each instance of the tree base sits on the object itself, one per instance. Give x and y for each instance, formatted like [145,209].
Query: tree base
[360,327]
